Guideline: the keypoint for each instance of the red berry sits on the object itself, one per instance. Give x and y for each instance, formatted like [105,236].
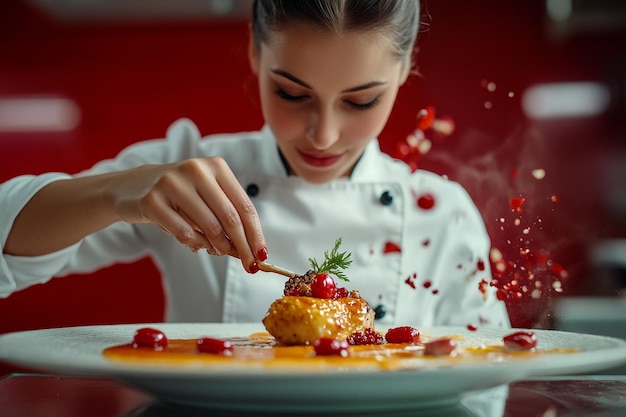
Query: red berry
[367,337]
[211,345]
[326,346]
[402,334]
[150,338]
[323,286]
[294,292]
[440,347]
[342,292]
[520,341]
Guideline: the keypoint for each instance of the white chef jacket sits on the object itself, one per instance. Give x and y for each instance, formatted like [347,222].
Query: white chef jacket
[418,266]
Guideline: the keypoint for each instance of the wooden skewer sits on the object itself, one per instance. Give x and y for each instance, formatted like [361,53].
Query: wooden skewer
[264,266]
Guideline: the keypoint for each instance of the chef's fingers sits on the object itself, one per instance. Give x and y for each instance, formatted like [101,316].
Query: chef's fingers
[237,215]
[189,189]
[172,202]
[208,222]
[172,223]
[209,247]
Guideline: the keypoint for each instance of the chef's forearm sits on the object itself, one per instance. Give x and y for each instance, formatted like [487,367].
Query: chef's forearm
[59,215]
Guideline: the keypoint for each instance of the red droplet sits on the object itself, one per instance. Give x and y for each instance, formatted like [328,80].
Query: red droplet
[516,203]
[391,247]
[402,150]
[557,269]
[427,284]
[425,118]
[426,242]
[471,327]
[435,292]
[426,201]
[480,265]
[410,282]
[482,286]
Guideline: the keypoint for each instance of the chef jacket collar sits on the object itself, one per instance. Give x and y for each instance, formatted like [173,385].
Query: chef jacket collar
[367,168]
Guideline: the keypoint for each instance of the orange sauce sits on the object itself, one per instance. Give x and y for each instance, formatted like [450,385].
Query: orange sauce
[261,350]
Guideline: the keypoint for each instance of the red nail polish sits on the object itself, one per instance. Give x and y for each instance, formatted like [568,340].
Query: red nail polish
[253,268]
[262,254]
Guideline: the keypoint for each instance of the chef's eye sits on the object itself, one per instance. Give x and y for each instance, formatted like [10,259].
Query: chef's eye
[288,97]
[363,106]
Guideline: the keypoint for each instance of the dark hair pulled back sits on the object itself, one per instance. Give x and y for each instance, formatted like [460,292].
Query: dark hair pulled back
[398,20]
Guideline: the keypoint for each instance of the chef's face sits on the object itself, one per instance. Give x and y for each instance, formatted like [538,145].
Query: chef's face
[325,96]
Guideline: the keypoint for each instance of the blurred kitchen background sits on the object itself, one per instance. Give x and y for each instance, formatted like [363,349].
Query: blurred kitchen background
[536,90]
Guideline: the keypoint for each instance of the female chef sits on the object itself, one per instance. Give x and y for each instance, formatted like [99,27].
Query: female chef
[328,75]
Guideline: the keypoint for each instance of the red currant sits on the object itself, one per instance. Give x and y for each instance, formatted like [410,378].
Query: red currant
[342,292]
[211,345]
[294,292]
[323,286]
[326,346]
[520,341]
[402,334]
[150,338]
[367,337]
[440,347]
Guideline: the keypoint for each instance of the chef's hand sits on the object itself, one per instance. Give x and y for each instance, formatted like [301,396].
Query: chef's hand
[197,201]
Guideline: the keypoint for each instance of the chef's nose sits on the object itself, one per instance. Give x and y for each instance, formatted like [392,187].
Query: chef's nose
[323,130]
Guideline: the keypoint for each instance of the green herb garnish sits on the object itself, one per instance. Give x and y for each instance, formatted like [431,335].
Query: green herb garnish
[334,263]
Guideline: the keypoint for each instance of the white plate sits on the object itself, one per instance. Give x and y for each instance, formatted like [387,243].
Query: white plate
[78,351]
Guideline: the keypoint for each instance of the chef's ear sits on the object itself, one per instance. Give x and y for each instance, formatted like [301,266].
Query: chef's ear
[253,53]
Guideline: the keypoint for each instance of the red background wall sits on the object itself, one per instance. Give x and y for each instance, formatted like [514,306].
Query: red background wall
[132,79]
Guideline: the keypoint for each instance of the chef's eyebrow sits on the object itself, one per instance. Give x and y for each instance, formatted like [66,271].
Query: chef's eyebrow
[296,80]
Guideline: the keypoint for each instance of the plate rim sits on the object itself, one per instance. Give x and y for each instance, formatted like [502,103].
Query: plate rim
[245,391]
[616,353]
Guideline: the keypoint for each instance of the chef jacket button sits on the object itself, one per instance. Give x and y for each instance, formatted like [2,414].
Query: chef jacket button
[252,190]
[386,198]
[379,312]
